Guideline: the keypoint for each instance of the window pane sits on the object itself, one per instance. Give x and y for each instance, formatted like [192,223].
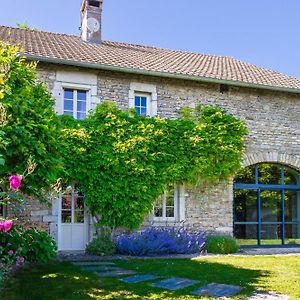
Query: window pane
[292,206]
[290,176]
[143,111]
[170,212]
[68,94]
[66,216]
[68,105]
[78,216]
[269,174]
[246,175]
[81,115]
[137,101]
[81,95]
[81,106]
[170,196]
[138,111]
[271,234]
[78,202]
[143,101]
[270,206]
[245,205]
[246,234]
[292,234]
[66,201]
[70,113]
[158,209]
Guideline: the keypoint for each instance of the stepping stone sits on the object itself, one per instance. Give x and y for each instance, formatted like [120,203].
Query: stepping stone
[92,263]
[139,278]
[264,295]
[174,283]
[218,290]
[99,268]
[115,273]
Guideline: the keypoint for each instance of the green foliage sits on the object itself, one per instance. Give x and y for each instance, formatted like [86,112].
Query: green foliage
[123,161]
[33,245]
[24,25]
[101,246]
[221,244]
[31,127]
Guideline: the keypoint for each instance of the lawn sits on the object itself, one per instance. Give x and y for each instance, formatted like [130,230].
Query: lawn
[65,281]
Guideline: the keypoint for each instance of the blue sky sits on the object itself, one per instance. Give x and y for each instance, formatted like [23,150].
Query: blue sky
[262,32]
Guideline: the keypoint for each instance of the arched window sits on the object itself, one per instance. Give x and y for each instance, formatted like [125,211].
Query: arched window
[267,205]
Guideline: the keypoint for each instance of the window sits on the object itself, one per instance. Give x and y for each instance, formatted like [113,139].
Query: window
[141,104]
[167,205]
[143,98]
[75,103]
[267,205]
[72,206]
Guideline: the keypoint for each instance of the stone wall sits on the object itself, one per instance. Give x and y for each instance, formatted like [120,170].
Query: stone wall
[272,119]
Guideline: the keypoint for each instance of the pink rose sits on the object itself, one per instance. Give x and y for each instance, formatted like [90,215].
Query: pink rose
[6,225]
[15,182]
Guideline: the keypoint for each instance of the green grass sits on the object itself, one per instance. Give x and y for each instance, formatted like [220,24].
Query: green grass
[65,281]
[253,242]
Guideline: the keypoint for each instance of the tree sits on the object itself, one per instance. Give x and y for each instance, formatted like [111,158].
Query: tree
[31,128]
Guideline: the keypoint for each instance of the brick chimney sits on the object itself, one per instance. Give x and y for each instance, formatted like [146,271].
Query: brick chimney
[91,11]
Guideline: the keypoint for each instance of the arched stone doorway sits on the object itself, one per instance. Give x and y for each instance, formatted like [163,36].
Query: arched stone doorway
[267,205]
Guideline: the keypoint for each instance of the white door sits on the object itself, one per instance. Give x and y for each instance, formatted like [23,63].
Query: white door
[73,222]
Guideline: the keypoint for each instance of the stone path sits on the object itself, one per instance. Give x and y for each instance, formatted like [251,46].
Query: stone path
[216,290]
[175,283]
[139,278]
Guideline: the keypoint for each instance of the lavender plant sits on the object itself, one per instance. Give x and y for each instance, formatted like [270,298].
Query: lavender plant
[160,241]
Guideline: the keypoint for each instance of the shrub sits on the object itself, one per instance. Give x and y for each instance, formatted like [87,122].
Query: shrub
[101,246]
[160,241]
[221,244]
[31,244]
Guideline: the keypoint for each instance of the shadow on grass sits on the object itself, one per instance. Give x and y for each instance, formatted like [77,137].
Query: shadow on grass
[65,281]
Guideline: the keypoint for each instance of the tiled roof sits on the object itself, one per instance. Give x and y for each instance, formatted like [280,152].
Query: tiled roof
[71,49]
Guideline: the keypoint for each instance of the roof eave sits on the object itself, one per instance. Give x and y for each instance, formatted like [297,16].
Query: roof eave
[158,73]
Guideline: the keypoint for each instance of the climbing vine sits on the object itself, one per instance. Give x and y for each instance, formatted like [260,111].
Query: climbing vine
[123,161]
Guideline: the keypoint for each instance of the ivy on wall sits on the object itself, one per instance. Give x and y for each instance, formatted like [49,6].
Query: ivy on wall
[123,161]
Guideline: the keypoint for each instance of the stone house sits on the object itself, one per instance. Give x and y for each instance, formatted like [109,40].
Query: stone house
[83,71]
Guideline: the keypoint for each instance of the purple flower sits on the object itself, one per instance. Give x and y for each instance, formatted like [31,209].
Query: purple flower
[10,252]
[20,260]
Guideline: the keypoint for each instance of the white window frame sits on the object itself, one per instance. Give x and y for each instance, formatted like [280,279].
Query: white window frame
[72,193]
[75,88]
[179,207]
[144,89]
